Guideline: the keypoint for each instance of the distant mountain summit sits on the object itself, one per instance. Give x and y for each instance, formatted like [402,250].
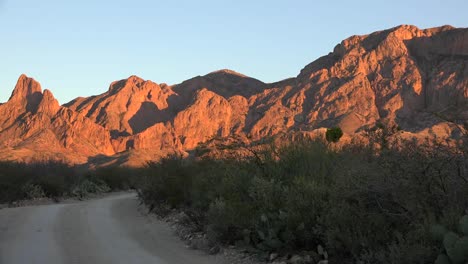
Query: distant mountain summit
[402,75]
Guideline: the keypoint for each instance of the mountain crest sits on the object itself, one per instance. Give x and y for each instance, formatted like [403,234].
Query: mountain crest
[25,88]
[226,72]
[48,105]
[132,81]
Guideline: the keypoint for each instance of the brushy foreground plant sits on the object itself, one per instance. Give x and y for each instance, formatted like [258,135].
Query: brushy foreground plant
[52,179]
[362,204]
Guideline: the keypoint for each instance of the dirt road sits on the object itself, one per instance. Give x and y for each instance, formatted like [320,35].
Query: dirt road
[107,230]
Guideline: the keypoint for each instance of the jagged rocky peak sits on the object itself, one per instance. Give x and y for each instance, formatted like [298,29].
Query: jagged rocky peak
[130,82]
[48,105]
[25,87]
[28,96]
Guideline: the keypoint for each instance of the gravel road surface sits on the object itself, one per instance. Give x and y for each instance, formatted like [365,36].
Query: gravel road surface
[106,230]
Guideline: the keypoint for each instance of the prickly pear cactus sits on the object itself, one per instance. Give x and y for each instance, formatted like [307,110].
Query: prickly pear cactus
[455,245]
[450,239]
[463,225]
[458,253]
[442,259]
[438,232]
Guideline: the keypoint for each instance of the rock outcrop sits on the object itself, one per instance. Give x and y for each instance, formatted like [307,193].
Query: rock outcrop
[402,75]
[33,126]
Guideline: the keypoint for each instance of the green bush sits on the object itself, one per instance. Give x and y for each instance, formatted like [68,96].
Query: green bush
[333,134]
[86,187]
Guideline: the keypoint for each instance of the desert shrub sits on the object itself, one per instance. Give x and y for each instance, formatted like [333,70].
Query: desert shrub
[27,181]
[55,178]
[233,209]
[11,183]
[116,178]
[54,186]
[19,181]
[389,201]
[166,183]
[32,191]
[206,182]
[362,203]
[86,187]
[333,134]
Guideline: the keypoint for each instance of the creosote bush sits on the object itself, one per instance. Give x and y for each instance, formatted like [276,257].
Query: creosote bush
[362,204]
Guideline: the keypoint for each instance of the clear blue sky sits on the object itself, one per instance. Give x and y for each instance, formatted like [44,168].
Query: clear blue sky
[76,48]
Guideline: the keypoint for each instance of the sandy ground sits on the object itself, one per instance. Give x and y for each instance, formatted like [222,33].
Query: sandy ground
[106,230]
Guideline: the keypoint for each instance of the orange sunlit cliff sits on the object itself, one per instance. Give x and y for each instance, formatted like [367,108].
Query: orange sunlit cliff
[402,75]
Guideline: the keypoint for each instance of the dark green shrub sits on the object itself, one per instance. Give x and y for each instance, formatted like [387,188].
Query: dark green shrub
[333,134]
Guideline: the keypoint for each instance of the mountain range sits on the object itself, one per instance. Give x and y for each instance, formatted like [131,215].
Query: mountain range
[404,75]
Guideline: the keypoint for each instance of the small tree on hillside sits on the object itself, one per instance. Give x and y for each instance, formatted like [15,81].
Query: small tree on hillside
[333,134]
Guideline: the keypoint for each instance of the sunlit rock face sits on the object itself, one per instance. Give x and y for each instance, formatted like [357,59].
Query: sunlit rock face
[33,126]
[402,75]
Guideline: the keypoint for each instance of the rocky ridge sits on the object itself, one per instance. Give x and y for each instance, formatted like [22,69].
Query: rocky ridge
[404,75]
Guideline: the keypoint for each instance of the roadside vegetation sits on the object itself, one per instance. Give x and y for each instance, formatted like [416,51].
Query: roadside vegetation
[386,201]
[382,200]
[57,180]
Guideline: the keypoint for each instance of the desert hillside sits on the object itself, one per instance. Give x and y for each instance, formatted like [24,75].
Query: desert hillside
[404,75]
